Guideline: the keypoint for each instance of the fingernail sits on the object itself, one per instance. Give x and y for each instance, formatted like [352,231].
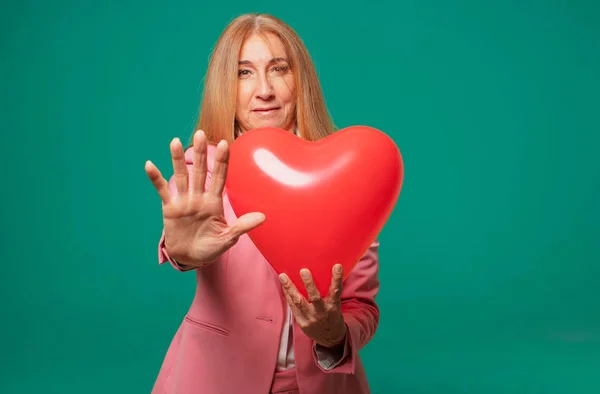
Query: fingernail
[282,278]
[338,268]
[304,273]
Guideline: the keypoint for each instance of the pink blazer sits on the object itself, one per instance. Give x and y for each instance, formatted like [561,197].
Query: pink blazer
[229,339]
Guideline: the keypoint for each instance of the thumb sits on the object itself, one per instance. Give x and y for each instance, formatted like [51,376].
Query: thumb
[247,222]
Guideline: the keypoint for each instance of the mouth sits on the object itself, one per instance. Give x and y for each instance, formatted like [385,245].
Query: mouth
[266,110]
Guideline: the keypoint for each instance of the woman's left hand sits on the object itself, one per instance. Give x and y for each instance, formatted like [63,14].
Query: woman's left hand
[320,319]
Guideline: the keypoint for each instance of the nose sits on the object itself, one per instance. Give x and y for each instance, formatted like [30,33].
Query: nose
[265,89]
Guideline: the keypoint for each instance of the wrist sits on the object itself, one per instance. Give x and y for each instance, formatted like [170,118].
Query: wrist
[191,263]
[178,262]
[338,345]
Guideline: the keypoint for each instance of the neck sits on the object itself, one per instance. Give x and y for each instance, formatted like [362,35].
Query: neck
[238,131]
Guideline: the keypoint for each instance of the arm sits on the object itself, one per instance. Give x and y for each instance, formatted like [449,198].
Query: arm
[361,315]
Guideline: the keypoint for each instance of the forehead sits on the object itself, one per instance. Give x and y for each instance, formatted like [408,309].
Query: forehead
[262,48]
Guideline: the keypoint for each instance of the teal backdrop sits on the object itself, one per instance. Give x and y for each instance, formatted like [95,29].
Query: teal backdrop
[490,262]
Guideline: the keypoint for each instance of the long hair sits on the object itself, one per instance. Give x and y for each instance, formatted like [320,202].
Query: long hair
[218,105]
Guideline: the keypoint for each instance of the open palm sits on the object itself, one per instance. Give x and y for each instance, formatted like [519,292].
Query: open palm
[196,232]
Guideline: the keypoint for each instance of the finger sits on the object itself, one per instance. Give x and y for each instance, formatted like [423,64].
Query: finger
[313,294]
[298,314]
[160,183]
[246,222]
[219,173]
[179,168]
[335,289]
[199,168]
[295,299]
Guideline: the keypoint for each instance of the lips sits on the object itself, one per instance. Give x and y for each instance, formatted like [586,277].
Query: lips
[266,109]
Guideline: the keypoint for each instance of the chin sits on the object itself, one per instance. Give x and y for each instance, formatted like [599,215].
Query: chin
[270,124]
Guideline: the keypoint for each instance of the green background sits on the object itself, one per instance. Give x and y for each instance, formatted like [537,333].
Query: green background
[490,263]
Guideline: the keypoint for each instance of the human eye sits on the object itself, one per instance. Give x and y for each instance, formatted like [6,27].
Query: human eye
[281,68]
[243,72]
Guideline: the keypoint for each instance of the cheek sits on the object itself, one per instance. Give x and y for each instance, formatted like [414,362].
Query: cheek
[243,96]
[286,91]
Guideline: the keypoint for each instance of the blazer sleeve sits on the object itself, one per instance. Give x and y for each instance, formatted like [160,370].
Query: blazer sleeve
[163,256]
[360,311]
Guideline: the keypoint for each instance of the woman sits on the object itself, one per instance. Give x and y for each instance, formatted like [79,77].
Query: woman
[248,330]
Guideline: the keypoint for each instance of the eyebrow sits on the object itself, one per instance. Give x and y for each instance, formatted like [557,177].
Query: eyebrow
[274,60]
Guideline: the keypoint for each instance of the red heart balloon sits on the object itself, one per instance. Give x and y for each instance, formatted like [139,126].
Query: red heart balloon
[325,201]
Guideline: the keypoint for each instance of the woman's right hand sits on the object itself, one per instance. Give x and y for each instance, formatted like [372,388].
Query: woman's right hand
[196,232]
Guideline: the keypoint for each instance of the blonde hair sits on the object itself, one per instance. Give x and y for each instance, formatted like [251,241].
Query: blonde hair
[217,110]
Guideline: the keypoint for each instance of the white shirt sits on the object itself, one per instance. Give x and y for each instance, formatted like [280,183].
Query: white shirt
[285,357]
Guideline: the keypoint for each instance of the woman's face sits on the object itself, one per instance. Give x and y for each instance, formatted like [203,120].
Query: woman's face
[266,89]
